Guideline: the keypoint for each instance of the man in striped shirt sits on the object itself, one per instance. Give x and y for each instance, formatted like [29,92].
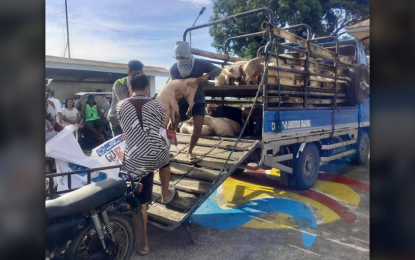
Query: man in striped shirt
[141,119]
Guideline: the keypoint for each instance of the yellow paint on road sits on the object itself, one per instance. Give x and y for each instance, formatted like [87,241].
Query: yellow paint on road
[340,191]
[236,193]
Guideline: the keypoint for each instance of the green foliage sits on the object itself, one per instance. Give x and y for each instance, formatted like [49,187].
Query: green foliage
[325,17]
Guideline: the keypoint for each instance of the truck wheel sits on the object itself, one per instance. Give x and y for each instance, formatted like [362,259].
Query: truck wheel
[363,148]
[306,167]
[358,89]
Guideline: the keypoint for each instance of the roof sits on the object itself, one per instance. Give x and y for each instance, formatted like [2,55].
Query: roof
[92,93]
[361,24]
[360,31]
[102,66]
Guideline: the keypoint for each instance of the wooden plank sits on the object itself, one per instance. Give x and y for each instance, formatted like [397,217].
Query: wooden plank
[199,150]
[185,139]
[182,158]
[216,56]
[215,163]
[203,174]
[303,43]
[163,214]
[324,101]
[177,148]
[182,200]
[224,153]
[296,100]
[193,185]
[242,145]
[173,179]
[179,168]
[300,83]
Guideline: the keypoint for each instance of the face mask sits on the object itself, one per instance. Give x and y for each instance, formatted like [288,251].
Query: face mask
[185,66]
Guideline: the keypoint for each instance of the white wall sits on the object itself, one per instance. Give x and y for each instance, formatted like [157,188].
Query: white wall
[64,90]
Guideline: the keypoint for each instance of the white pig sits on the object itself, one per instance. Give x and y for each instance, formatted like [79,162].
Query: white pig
[174,91]
[253,69]
[221,126]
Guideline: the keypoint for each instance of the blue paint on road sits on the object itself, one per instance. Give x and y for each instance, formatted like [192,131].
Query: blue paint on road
[212,216]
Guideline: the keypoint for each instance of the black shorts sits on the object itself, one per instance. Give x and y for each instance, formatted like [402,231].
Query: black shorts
[145,195]
[198,110]
[95,123]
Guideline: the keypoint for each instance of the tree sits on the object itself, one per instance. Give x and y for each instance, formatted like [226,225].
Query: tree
[325,17]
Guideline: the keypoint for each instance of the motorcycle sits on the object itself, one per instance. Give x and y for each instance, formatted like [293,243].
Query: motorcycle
[89,223]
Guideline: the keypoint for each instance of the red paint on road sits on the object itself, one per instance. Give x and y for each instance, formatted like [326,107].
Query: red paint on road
[344,180]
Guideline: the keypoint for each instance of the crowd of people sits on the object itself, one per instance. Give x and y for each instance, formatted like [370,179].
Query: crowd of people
[140,118]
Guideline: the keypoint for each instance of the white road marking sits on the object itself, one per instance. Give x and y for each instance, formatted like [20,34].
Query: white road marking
[304,250]
[348,245]
[367,242]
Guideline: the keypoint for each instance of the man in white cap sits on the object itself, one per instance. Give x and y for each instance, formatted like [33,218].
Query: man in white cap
[189,67]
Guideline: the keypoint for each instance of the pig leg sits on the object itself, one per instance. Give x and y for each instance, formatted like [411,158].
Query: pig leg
[191,101]
[167,115]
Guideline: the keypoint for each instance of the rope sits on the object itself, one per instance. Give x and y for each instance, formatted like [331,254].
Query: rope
[204,197]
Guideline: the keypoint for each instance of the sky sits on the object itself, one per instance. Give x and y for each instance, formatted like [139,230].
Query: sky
[122,30]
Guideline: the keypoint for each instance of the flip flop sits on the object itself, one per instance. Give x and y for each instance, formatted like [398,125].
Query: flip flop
[193,158]
[173,193]
[141,252]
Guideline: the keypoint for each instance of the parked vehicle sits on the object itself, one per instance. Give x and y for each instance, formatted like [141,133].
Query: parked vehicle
[88,223]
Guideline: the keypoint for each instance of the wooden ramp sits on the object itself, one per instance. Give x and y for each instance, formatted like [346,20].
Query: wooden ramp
[192,181]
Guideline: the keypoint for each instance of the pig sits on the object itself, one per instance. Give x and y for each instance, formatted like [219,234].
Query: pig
[223,126]
[187,128]
[174,91]
[252,69]
[230,74]
[219,126]
[233,113]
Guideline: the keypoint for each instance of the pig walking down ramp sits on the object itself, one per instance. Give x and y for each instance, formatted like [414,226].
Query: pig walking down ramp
[173,92]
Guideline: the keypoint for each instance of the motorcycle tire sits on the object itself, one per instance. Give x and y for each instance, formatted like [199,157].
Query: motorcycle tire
[94,248]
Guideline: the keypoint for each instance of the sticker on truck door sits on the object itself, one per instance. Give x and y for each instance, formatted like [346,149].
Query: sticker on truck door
[293,124]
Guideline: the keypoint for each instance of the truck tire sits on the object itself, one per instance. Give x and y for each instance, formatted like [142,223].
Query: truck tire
[306,167]
[357,91]
[363,148]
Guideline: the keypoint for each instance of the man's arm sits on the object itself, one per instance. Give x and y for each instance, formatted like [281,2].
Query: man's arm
[212,70]
[120,91]
[100,112]
[83,111]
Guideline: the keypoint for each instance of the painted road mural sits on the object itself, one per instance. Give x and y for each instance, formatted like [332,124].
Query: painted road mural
[256,199]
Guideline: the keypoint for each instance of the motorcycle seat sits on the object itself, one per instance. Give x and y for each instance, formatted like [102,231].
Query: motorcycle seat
[85,198]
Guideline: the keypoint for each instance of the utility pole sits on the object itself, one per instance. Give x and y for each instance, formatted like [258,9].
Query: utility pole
[67,28]
[200,13]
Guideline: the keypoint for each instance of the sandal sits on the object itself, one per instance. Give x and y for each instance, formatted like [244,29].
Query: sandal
[173,193]
[192,158]
[141,252]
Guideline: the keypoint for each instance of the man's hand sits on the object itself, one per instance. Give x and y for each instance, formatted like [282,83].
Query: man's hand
[203,79]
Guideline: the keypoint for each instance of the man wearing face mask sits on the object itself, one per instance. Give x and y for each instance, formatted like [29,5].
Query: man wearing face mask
[189,67]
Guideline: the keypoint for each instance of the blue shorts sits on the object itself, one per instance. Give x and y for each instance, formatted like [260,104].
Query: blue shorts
[198,110]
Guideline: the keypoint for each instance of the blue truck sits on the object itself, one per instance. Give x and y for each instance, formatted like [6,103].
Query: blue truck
[298,139]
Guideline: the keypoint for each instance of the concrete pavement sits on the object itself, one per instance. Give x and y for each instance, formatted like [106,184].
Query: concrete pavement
[268,224]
